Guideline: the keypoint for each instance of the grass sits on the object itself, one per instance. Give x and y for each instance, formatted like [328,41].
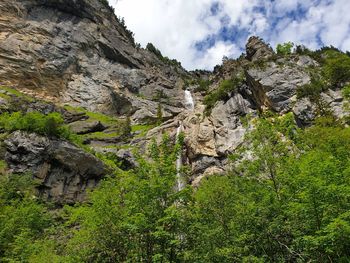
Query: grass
[3,167]
[14,93]
[143,129]
[94,116]
[102,135]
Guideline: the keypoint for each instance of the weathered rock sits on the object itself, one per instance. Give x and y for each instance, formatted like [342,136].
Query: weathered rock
[126,159]
[84,127]
[274,86]
[226,118]
[257,49]
[77,52]
[65,172]
[306,61]
[304,111]
[202,163]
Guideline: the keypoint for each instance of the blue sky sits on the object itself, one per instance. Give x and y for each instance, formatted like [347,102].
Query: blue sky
[199,33]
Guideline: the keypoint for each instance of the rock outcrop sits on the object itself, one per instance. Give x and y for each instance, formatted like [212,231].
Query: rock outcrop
[63,171]
[79,53]
[274,85]
[257,49]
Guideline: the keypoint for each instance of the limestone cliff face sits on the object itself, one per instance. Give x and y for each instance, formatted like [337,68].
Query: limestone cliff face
[78,53]
[269,82]
[63,171]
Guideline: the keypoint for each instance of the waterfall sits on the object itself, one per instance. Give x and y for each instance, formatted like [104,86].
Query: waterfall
[179,180]
[189,104]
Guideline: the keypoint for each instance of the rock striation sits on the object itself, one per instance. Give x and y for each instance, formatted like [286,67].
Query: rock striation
[63,171]
[79,53]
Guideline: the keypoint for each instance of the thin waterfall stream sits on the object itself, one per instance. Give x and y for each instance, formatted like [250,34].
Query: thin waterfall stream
[189,104]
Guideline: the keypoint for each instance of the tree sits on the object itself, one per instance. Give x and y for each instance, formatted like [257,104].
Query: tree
[285,48]
[126,127]
[159,114]
[135,216]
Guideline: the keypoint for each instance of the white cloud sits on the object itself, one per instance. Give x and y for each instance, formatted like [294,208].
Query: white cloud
[175,26]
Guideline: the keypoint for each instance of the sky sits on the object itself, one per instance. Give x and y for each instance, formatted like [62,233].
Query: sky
[198,33]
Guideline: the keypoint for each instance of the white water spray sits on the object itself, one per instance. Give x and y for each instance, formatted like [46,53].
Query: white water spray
[179,180]
[189,104]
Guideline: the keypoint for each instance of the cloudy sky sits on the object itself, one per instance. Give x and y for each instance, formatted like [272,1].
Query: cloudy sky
[199,33]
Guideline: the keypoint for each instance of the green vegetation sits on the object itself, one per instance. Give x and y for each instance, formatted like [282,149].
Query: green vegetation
[142,129]
[202,84]
[159,114]
[94,116]
[173,62]
[337,68]
[126,127]
[23,219]
[312,90]
[334,73]
[223,92]
[346,92]
[284,49]
[14,92]
[287,204]
[50,125]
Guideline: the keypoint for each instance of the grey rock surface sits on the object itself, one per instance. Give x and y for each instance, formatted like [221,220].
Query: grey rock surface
[84,127]
[78,53]
[64,171]
[274,86]
[257,49]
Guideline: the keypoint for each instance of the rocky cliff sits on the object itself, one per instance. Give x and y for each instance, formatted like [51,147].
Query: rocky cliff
[78,53]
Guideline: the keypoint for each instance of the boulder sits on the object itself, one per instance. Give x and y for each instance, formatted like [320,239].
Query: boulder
[304,111]
[64,172]
[84,127]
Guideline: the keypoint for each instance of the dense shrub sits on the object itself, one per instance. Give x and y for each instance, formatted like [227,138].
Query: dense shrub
[22,218]
[50,125]
[284,49]
[312,90]
[203,85]
[337,68]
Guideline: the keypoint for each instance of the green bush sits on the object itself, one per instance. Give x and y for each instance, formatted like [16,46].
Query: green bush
[337,68]
[22,218]
[346,92]
[50,125]
[203,85]
[223,92]
[312,90]
[285,48]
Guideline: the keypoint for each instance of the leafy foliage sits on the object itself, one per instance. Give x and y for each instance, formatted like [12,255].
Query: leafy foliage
[288,201]
[337,68]
[23,219]
[312,90]
[285,48]
[135,216]
[51,124]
